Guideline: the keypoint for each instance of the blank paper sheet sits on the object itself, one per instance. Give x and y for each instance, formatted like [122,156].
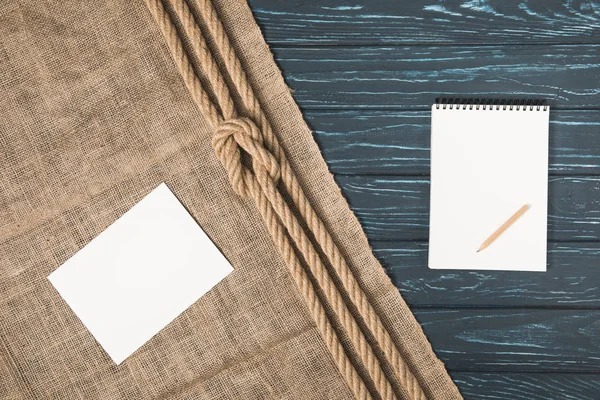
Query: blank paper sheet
[139,274]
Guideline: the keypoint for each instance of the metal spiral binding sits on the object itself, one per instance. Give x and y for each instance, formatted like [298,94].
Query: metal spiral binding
[491,104]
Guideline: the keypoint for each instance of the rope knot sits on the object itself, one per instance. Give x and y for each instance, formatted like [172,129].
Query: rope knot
[238,134]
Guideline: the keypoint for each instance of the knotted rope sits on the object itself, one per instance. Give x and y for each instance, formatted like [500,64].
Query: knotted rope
[260,183]
[275,228]
[242,133]
[269,167]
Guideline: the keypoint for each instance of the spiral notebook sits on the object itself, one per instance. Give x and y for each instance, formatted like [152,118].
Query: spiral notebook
[488,160]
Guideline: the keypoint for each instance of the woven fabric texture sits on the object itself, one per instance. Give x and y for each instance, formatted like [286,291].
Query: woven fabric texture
[95,114]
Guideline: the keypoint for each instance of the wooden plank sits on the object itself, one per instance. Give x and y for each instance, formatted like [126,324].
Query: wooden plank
[527,386]
[568,77]
[570,281]
[420,21]
[392,208]
[534,340]
[397,142]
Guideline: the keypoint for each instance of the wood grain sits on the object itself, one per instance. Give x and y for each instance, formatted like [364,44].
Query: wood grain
[398,142]
[514,340]
[397,208]
[365,74]
[527,386]
[568,77]
[464,22]
[570,281]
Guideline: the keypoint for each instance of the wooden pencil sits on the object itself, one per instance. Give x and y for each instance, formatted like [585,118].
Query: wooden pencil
[504,227]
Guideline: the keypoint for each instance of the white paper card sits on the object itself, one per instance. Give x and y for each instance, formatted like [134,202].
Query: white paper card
[140,273]
[485,165]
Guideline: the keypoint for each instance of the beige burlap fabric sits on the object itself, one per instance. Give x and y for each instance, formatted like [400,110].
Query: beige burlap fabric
[97,110]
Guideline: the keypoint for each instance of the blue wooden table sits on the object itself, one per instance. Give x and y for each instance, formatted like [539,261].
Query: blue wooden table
[365,73]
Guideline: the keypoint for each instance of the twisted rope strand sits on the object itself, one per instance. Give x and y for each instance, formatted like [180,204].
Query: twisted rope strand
[314,305]
[227,150]
[245,134]
[200,48]
[222,93]
[182,62]
[200,97]
[350,285]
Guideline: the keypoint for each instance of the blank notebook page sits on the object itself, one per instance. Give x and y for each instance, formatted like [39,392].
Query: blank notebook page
[485,165]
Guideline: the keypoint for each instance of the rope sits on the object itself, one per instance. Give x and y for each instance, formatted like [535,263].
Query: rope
[269,166]
[200,50]
[332,342]
[243,133]
[232,64]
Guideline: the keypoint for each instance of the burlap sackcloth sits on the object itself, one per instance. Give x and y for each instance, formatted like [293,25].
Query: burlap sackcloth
[97,109]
